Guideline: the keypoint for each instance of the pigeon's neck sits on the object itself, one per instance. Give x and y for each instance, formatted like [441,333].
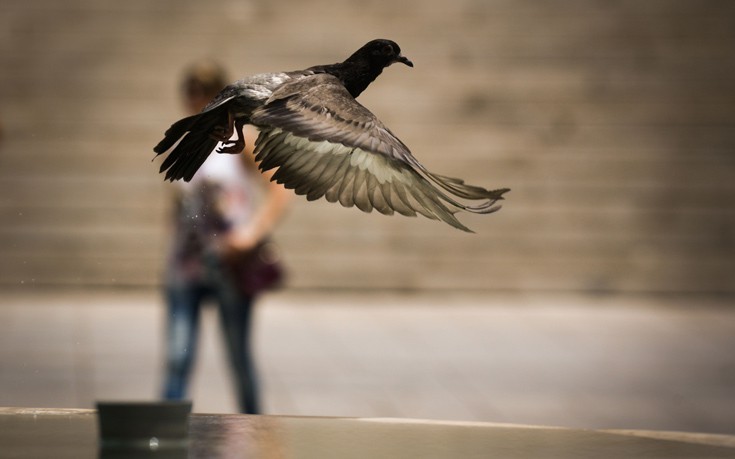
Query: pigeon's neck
[355,75]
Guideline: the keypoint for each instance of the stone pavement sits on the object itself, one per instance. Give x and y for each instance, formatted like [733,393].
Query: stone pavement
[627,362]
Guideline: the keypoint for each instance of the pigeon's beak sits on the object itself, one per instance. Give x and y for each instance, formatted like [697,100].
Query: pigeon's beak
[404,60]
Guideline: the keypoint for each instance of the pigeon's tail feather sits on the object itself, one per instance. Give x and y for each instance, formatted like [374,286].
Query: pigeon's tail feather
[194,146]
[175,132]
[188,157]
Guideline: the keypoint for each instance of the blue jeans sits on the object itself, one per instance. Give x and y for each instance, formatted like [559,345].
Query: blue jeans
[184,306]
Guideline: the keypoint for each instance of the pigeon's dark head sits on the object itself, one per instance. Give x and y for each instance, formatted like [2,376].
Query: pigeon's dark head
[365,64]
[380,54]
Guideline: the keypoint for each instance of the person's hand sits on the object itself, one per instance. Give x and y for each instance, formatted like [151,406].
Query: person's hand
[242,239]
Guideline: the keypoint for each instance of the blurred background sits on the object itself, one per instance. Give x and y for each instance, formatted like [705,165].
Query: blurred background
[599,296]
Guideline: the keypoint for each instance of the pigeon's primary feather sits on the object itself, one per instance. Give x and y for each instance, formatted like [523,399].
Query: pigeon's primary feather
[322,142]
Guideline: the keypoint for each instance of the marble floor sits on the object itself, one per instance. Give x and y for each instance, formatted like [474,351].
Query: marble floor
[603,362]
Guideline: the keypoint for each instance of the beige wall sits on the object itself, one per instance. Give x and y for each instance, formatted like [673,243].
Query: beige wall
[613,123]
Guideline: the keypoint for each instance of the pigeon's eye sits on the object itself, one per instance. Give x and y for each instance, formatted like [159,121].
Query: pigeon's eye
[387,50]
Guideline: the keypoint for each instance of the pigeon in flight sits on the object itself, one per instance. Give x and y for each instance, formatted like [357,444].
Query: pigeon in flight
[322,142]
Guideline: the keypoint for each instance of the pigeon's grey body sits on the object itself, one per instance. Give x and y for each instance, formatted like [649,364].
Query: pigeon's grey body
[323,142]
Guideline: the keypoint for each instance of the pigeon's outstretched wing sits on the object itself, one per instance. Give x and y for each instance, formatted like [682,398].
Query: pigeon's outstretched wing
[326,144]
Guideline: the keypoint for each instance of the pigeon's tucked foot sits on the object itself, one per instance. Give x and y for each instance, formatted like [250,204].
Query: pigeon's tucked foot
[232,147]
[221,133]
[238,145]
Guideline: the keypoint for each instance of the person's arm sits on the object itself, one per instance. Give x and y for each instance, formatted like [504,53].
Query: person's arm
[269,212]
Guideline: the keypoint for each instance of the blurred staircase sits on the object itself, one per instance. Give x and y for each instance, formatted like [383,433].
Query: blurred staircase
[612,123]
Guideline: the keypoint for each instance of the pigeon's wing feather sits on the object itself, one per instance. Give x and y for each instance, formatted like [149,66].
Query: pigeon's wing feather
[326,144]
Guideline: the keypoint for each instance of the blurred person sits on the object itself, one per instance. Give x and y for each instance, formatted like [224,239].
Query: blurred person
[219,251]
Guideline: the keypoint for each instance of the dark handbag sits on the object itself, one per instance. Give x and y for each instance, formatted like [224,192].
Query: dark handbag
[257,270]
